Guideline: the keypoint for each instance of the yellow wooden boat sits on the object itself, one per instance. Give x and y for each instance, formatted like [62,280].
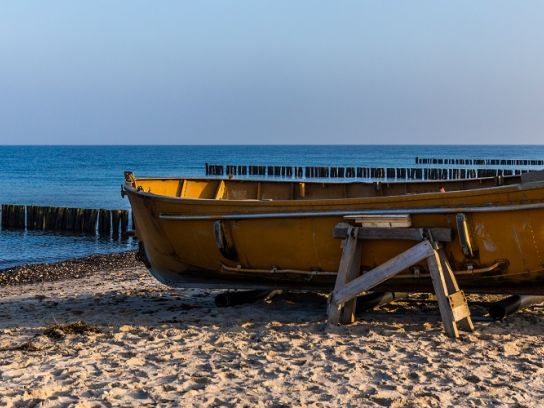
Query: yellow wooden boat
[227,233]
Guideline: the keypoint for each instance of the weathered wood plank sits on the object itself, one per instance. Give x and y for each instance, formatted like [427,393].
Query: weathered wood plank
[439,284]
[465,323]
[381,220]
[383,272]
[449,277]
[347,314]
[459,307]
[413,234]
[345,271]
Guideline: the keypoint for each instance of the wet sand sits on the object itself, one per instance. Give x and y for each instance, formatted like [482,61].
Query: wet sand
[102,332]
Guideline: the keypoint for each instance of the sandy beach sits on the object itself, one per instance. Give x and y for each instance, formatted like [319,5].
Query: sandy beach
[102,332]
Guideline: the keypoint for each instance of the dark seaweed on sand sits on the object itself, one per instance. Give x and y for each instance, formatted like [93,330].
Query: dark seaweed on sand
[59,331]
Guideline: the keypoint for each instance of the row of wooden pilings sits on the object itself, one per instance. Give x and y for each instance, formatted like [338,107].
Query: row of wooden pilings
[103,222]
[480,162]
[392,173]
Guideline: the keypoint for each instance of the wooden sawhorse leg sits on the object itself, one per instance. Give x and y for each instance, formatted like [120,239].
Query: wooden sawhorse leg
[451,301]
[349,269]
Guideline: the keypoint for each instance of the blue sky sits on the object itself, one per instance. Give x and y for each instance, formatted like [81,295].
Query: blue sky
[207,72]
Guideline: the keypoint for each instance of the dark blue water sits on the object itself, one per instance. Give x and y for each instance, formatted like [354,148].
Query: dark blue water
[91,176]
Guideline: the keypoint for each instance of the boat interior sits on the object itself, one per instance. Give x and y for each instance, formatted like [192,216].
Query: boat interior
[240,189]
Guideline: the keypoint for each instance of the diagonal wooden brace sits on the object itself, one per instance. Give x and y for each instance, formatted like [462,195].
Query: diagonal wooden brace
[381,273]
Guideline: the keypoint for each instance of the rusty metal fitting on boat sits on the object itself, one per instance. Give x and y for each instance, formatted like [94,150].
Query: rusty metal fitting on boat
[275,270]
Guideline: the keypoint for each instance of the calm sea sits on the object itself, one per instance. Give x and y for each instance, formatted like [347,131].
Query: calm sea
[91,176]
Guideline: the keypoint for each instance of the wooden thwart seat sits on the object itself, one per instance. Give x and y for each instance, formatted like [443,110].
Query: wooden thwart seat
[350,283]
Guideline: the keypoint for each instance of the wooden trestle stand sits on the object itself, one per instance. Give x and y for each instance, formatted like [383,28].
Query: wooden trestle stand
[350,283]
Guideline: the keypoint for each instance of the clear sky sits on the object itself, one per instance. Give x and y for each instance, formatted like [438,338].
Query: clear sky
[277,71]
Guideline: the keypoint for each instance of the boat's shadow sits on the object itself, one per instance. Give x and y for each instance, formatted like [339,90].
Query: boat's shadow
[285,312]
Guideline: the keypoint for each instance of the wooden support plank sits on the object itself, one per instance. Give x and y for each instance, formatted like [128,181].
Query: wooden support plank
[347,314]
[440,289]
[345,272]
[383,272]
[458,305]
[465,322]
[449,277]
[414,234]
[381,220]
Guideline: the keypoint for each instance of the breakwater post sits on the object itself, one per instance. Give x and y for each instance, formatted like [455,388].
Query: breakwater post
[479,162]
[387,173]
[89,221]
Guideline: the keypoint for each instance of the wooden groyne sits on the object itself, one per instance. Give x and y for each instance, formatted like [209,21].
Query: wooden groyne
[479,162]
[106,223]
[390,173]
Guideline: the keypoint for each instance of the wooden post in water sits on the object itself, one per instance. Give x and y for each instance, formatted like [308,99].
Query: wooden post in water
[104,221]
[115,221]
[70,219]
[13,216]
[124,223]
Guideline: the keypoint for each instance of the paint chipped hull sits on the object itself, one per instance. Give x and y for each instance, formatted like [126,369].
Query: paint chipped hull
[267,234]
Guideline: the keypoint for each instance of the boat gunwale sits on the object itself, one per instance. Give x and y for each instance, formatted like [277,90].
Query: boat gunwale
[327,202]
[317,181]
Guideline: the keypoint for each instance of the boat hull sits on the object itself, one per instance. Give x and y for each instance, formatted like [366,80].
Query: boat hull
[286,243]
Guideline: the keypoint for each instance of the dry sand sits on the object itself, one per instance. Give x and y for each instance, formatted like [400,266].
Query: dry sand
[139,343]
